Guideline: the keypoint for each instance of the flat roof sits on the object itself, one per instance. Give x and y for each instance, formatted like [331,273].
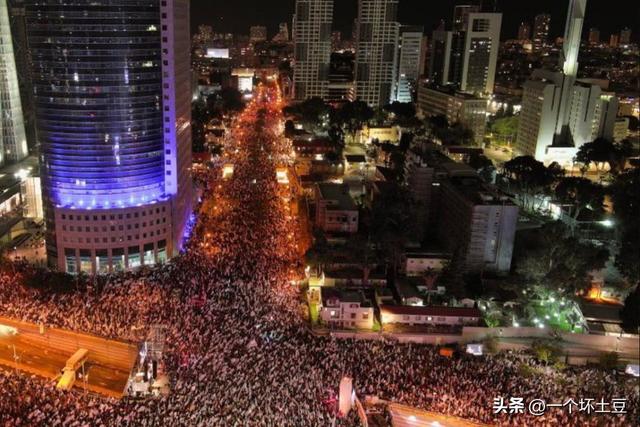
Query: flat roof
[431,311]
[344,295]
[479,192]
[338,193]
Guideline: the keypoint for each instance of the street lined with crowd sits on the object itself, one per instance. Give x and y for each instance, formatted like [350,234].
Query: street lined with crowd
[238,349]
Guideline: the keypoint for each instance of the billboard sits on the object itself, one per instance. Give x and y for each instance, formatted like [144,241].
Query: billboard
[216,52]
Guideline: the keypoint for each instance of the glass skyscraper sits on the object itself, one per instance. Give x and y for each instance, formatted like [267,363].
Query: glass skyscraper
[13,141]
[114,130]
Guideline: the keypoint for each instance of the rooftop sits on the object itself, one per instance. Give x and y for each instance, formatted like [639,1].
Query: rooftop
[338,193]
[479,192]
[344,295]
[431,311]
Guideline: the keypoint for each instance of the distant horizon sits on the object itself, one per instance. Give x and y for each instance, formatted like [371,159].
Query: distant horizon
[228,17]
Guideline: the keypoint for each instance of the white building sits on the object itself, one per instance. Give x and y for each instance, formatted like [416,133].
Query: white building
[456,106]
[480,224]
[559,113]
[467,56]
[345,309]
[410,51]
[430,315]
[312,48]
[482,41]
[13,140]
[376,47]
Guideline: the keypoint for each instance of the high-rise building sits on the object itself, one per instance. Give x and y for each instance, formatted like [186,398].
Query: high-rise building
[312,48]
[439,56]
[376,47]
[13,140]
[283,33]
[594,36]
[479,225]
[625,36]
[524,31]
[336,41]
[614,40]
[467,57]
[558,113]
[461,16]
[22,57]
[541,27]
[481,47]
[410,52]
[257,33]
[113,110]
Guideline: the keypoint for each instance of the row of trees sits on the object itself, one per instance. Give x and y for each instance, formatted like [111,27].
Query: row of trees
[602,152]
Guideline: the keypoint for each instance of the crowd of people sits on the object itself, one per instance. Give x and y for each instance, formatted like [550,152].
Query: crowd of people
[243,355]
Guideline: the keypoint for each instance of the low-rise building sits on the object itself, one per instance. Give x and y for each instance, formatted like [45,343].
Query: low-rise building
[430,315]
[458,107]
[346,309]
[421,262]
[369,134]
[335,209]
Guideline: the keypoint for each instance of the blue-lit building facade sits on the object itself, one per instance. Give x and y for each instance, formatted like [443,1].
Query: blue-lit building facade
[112,92]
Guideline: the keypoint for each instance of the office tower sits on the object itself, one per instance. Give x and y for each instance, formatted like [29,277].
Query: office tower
[482,43]
[461,16]
[594,36]
[550,100]
[283,33]
[312,48]
[113,109]
[524,31]
[336,40]
[467,57]
[13,140]
[376,47]
[625,36]
[439,57]
[614,40]
[257,33]
[541,27]
[456,106]
[410,52]
[22,57]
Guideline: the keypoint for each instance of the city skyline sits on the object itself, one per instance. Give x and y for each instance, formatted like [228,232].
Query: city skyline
[227,17]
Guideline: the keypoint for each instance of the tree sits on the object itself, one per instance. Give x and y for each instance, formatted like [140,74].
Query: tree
[546,351]
[506,129]
[353,115]
[626,207]
[319,253]
[630,313]
[231,99]
[452,277]
[403,111]
[313,111]
[580,193]
[603,151]
[456,134]
[289,128]
[530,177]
[484,166]
[608,360]
[554,260]
[392,221]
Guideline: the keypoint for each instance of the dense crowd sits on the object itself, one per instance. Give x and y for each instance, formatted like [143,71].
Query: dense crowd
[244,356]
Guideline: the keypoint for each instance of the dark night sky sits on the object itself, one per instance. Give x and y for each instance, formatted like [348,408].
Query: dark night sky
[236,16]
